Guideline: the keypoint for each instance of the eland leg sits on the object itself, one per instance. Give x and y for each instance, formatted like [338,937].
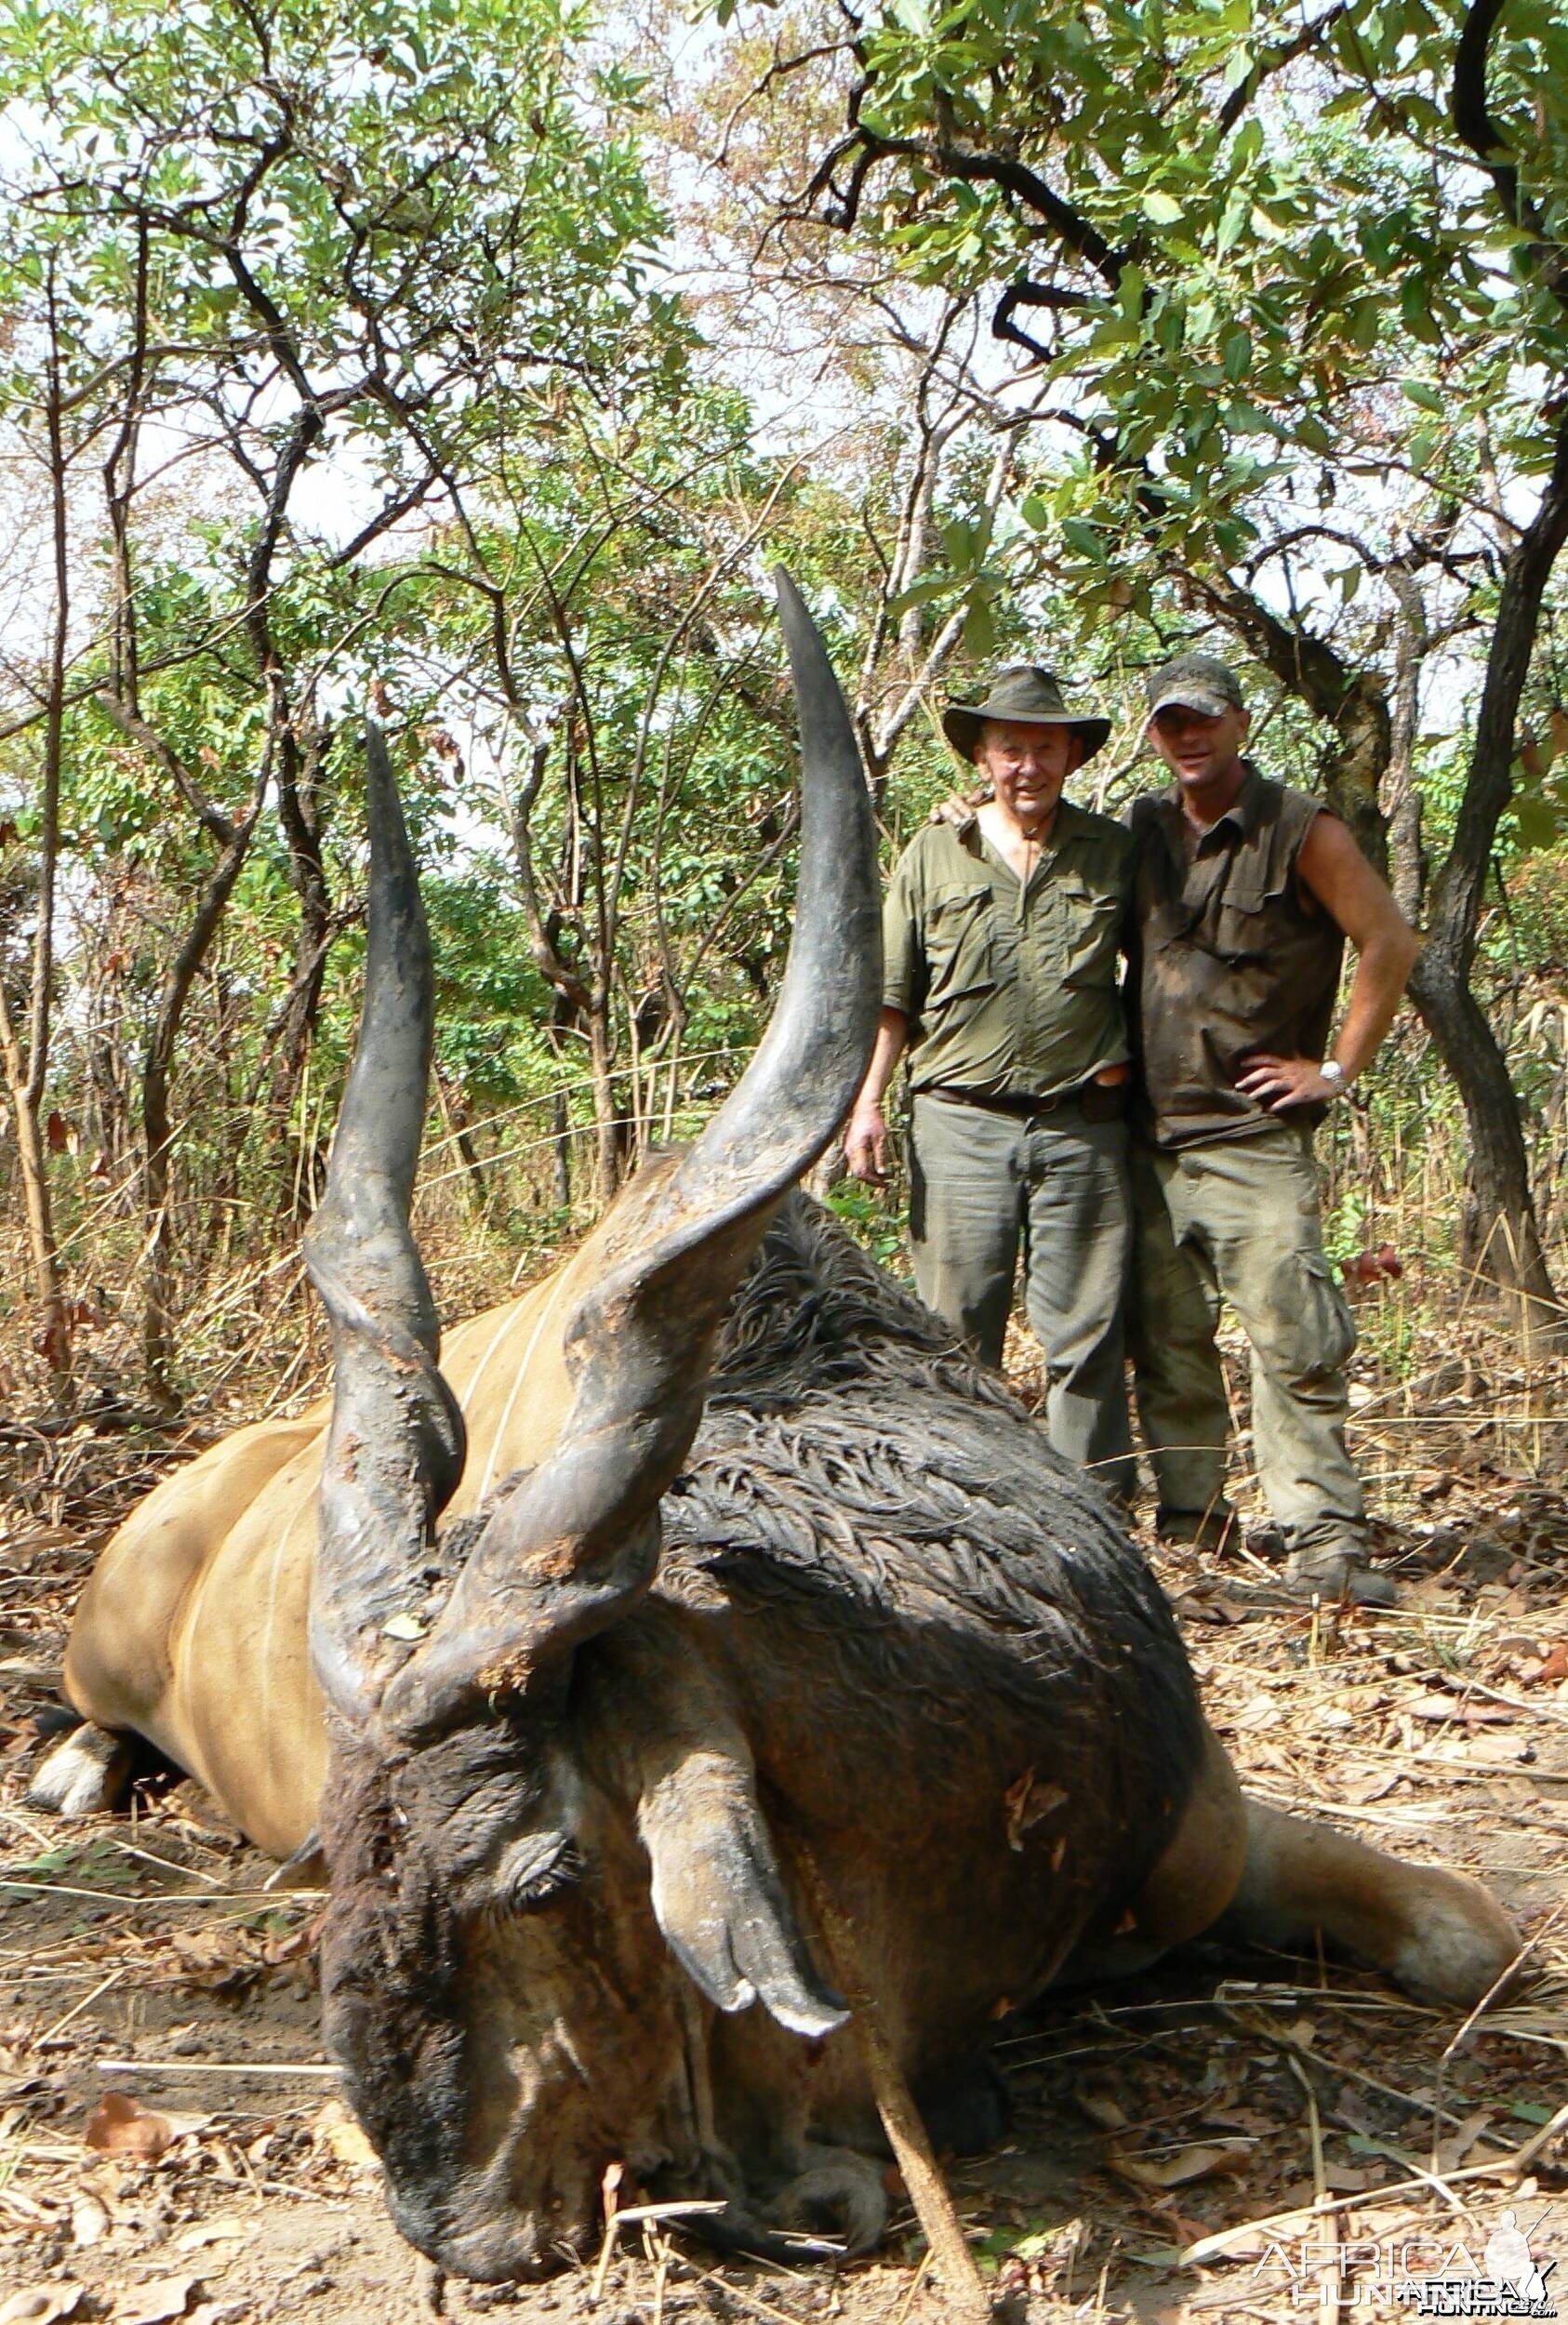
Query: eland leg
[1438,1934]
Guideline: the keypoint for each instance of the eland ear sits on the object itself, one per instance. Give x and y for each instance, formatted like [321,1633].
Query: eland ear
[719,1898]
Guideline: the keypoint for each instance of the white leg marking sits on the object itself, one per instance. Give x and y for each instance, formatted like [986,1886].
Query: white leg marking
[84,1774]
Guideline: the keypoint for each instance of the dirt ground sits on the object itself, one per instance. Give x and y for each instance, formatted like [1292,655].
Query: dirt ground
[1233,2139]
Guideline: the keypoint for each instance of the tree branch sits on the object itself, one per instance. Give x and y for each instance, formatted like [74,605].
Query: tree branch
[1475,124]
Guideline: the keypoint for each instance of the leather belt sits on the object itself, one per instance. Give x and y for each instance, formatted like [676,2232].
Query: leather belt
[1102,1101]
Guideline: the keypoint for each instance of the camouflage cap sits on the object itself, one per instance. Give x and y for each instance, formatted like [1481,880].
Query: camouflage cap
[1195,681]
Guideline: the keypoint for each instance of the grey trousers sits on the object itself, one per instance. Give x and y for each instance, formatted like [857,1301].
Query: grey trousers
[983,1183]
[1238,1220]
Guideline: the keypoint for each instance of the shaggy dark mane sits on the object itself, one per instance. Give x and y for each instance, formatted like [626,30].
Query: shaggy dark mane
[857,1472]
[813,1311]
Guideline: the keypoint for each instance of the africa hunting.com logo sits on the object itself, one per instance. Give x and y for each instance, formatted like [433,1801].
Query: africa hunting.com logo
[1427,2276]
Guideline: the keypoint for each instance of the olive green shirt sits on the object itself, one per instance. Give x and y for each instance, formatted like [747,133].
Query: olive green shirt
[1010,991]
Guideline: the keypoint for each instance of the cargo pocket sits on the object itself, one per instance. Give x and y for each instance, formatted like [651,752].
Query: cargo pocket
[1328,1327]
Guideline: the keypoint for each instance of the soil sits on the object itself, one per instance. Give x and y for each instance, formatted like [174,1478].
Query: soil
[171,2145]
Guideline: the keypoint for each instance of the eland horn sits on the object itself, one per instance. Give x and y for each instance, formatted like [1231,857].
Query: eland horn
[574,1542]
[395,1452]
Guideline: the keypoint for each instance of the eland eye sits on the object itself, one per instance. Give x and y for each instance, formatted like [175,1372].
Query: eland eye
[535,1869]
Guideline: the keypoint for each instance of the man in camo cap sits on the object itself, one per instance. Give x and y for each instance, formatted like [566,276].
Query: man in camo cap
[1245,892]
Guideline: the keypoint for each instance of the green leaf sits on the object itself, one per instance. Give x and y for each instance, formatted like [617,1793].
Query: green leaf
[1085,538]
[1163,209]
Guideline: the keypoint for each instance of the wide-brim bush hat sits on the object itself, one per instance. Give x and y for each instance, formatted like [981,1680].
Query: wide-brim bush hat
[1028,695]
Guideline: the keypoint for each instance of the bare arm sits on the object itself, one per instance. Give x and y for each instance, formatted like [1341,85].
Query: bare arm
[865,1139]
[1333,869]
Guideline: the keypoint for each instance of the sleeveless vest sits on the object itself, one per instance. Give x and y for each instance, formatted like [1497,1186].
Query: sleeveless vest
[1226,959]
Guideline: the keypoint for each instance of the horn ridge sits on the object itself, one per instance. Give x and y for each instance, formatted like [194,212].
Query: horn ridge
[395,1444]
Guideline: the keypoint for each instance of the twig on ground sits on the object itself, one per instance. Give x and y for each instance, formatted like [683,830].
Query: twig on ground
[906,2135]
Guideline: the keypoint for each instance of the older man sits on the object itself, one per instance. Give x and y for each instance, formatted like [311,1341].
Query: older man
[1001,942]
[1245,894]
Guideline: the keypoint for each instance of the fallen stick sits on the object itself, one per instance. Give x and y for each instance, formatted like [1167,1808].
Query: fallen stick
[949,2252]
[211,2066]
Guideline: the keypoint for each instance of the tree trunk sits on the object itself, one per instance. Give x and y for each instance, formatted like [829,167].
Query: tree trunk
[27,1076]
[455,1114]
[158,1308]
[299,814]
[609,1118]
[1500,1241]
[52,1335]
[1353,778]
[1403,800]
[561,1149]
[1501,1222]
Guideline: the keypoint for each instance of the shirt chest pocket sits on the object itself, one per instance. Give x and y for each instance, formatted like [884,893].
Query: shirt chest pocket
[959,949]
[1245,923]
[1090,922]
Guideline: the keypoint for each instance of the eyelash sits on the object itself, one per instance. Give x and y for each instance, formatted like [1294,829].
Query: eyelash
[562,1870]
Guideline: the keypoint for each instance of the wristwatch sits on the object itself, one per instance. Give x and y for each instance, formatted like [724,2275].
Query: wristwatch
[1332,1071]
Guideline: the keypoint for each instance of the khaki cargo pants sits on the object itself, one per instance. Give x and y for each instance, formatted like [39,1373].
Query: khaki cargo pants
[980,1185]
[1238,1220]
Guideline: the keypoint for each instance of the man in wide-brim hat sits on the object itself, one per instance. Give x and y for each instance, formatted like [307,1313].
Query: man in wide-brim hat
[1030,697]
[1001,943]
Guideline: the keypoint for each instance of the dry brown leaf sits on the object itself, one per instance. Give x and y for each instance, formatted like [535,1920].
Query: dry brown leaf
[1375,1784]
[42,2305]
[120,2125]
[336,2129]
[225,2230]
[1250,2239]
[1453,2150]
[1101,2106]
[154,2304]
[90,2221]
[1200,2161]
[1352,2179]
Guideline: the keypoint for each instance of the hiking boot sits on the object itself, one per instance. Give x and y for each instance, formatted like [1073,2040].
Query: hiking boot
[1212,1529]
[1335,1574]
